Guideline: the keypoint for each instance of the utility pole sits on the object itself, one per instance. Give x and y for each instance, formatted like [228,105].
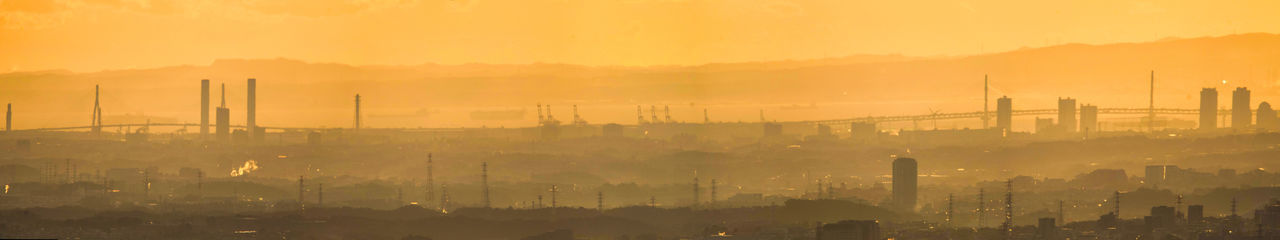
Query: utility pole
[653,201]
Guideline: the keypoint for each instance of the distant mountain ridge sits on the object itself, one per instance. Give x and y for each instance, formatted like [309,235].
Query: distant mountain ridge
[1109,75]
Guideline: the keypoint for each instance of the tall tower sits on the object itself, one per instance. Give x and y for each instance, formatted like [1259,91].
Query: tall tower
[204,109]
[1241,115]
[1208,108]
[251,110]
[223,121]
[1067,114]
[982,208]
[950,207]
[357,121]
[431,185]
[904,184]
[986,115]
[484,182]
[540,117]
[1004,113]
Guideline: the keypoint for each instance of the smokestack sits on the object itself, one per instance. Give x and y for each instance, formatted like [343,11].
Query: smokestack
[204,109]
[96,122]
[357,127]
[8,117]
[251,126]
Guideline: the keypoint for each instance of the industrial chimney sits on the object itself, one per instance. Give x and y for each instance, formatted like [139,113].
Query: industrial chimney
[204,109]
[251,110]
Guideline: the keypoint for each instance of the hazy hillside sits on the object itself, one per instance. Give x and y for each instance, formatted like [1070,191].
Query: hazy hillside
[431,95]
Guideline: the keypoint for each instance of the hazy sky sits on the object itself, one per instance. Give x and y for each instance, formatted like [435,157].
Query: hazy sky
[91,35]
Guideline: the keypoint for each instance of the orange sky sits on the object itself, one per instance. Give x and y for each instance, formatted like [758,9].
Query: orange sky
[92,35]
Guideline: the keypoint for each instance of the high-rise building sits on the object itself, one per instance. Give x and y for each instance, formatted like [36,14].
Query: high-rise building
[1195,214]
[1241,115]
[1044,125]
[904,184]
[1067,114]
[1004,113]
[849,230]
[204,109]
[251,110]
[1266,117]
[1088,118]
[1155,175]
[1208,108]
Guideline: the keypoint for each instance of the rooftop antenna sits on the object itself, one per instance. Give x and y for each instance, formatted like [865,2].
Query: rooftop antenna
[224,96]
[484,180]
